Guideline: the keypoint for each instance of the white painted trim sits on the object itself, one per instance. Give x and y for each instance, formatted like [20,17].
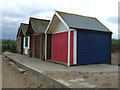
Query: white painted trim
[28,42]
[59,17]
[75,47]
[68,48]
[63,31]
[49,24]
[45,47]
[71,29]
[24,43]
[59,32]
[62,20]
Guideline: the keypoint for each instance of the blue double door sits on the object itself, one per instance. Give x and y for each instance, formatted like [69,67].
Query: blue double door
[93,47]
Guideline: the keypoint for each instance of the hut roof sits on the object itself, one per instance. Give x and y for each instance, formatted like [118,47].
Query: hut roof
[75,21]
[22,29]
[39,25]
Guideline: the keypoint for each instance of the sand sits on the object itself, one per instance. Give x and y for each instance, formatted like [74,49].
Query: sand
[114,58]
[12,78]
[95,79]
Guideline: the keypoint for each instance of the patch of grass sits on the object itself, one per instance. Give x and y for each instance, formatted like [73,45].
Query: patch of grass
[8,45]
[115,45]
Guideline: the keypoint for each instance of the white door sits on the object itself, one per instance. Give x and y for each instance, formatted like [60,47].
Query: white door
[26,44]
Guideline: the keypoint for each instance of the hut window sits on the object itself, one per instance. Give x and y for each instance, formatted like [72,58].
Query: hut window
[26,41]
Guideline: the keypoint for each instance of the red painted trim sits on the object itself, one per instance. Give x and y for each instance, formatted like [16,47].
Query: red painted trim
[71,47]
[60,47]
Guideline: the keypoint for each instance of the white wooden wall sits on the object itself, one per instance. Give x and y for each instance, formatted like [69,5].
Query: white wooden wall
[60,27]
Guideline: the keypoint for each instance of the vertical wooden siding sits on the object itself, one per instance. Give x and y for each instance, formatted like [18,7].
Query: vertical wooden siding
[32,45]
[49,46]
[71,47]
[37,46]
[41,46]
[19,44]
[60,47]
[22,41]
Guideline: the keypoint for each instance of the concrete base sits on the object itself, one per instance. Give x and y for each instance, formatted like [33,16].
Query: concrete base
[49,82]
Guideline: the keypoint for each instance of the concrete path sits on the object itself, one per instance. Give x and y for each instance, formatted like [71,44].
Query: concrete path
[50,66]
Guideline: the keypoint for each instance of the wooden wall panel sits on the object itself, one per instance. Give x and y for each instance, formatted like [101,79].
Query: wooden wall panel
[37,46]
[41,46]
[32,45]
[22,41]
[49,46]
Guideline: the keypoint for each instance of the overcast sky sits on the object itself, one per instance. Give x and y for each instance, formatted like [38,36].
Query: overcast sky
[16,11]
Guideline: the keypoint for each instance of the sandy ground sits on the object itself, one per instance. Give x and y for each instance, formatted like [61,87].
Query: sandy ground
[83,80]
[12,78]
[87,80]
[114,58]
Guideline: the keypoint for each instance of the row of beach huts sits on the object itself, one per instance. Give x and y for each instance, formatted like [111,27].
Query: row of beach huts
[67,38]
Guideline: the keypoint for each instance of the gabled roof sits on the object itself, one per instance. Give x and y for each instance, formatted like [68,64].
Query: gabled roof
[22,29]
[38,25]
[75,21]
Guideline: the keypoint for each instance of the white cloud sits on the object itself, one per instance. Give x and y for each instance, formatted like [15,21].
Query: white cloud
[17,11]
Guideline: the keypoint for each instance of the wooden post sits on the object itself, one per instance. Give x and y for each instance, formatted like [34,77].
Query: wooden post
[75,47]
[41,47]
[45,47]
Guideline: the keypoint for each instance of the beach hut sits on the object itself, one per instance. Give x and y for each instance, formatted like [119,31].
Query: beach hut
[20,37]
[73,39]
[36,37]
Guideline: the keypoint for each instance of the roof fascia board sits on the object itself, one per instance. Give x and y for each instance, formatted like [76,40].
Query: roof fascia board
[49,24]
[18,32]
[60,20]
[29,26]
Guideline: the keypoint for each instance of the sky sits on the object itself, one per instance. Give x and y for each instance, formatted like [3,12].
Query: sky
[14,12]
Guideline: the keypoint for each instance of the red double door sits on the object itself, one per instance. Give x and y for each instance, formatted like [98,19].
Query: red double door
[60,47]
